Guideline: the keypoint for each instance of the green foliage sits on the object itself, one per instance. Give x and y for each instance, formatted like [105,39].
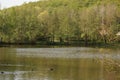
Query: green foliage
[61,20]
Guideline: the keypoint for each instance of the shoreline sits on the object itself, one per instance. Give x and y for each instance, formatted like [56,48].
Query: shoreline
[58,44]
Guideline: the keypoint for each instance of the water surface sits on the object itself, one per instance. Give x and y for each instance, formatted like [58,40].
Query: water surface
[73,63]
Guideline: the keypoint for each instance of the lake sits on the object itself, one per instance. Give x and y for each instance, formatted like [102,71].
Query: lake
[61,63]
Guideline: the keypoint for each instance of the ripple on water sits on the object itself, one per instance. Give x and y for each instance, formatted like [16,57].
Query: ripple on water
[66,53]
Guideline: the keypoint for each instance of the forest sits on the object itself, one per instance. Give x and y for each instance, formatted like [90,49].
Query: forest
[61,21]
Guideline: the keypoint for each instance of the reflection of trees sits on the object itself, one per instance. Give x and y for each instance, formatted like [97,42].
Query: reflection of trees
[7,56]
[51,68]
[72,69]
[110,63]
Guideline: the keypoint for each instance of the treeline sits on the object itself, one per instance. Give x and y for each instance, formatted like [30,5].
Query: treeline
[61,21]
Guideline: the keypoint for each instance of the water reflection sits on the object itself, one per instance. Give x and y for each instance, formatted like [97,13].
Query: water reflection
[69,52]
[53,63]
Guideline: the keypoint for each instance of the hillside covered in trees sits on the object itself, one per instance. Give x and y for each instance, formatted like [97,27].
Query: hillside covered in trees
[61,21]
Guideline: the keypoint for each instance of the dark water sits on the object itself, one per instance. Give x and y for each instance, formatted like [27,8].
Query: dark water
[74,63]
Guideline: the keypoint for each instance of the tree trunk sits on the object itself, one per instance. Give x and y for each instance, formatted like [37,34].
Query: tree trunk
[60,39]
[86,40]
[104,38]
[53,39]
